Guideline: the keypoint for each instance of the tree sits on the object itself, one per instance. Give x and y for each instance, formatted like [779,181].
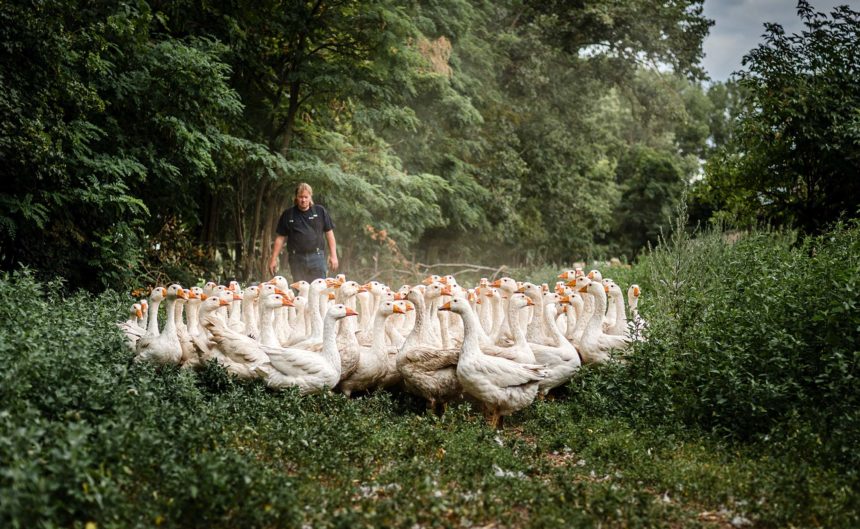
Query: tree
[795,155]
[652,185]
[103,130]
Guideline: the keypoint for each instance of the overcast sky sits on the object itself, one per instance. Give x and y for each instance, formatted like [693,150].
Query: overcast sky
[739,25]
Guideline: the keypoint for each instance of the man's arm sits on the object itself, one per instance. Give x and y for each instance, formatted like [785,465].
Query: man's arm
[276,251]
[332,250]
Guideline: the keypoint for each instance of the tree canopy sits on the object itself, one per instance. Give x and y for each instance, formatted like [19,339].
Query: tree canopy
[794,154]
[154,139]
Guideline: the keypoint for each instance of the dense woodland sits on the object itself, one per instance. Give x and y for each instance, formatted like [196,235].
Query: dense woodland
[150,140]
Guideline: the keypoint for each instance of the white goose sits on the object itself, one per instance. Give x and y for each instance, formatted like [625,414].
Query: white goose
[562,360]
[638,325]
[312,340]
[427,370]
[595,345]
[163,348]
[373,360]
[619,315]
[240,354]
[130,327]
[310,372]
[503,386]
[507,286]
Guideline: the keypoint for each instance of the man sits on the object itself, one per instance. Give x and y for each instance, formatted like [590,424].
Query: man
[304,226]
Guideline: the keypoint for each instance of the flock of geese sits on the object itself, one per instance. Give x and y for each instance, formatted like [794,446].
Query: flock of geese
[512,342]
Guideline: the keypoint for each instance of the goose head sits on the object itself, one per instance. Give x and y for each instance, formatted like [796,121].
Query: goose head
[157,295]
[551,297]
[277,300]
[251,293]
[302,287]
[339,310]
[402,307]
[580,284]
[433,291]
[195,294]
[519,300]
[280,282]
[456,305]
[349,289]
[267,289]
[209,305]
[595,275]
[176,291]
[531,290]
[507,284]
[386,308]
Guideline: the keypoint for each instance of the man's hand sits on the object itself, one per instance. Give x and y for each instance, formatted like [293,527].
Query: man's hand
[273,265]
[332,263]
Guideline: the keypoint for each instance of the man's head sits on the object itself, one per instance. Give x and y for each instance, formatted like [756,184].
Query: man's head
[304,196]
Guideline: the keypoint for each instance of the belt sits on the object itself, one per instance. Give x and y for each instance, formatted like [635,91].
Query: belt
[308,252]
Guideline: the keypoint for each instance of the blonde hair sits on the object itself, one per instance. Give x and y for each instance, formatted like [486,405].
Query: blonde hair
[303,186]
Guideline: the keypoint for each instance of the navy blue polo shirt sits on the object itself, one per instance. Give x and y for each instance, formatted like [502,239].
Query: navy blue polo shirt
[304,229]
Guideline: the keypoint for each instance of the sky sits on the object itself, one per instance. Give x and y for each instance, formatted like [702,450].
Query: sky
[739,25]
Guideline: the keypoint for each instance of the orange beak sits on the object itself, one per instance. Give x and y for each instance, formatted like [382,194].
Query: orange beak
[287,302]
[446,306]
[496,284]
[398,310]
[446,290]
[223,302]
[350,312]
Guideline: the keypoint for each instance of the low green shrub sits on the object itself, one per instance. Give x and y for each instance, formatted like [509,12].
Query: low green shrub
[756,338]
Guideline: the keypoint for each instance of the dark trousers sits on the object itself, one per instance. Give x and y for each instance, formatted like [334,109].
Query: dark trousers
[308,266]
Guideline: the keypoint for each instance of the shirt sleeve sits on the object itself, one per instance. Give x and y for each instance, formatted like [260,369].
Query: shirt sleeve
[328,225]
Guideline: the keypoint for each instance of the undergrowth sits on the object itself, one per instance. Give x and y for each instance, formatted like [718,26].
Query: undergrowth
[740,408]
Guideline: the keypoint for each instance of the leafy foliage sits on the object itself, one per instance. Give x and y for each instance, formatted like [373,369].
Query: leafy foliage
[792,158]
[753,337]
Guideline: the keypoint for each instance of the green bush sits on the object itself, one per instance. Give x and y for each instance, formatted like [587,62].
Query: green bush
[754,336]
